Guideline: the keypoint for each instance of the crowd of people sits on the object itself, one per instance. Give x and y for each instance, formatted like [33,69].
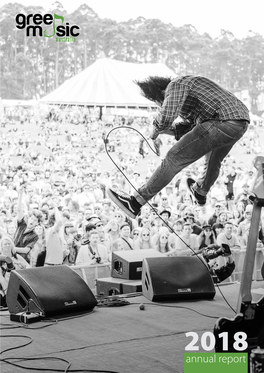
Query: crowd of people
[54,209]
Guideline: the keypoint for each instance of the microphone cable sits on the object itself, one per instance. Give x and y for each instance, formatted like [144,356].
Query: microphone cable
[149,204]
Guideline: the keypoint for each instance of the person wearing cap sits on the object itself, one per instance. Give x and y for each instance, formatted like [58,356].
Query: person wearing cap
[244,195]
[218,208]
[125,240]
[196,229]
[92,252]
[177,228]
[165,214]
[156,224]
[104,238]
[244,225]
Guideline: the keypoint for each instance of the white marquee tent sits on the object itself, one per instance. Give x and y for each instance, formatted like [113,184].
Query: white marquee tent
[107,83]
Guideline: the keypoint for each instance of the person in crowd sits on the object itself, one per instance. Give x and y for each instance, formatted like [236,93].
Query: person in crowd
[228,237]
[176,231]
[213,219]
[187,242]
[71,243]
[107,208]
[104,238]
[217,229]
[40,245]
[229,183]
[7,248]
[25,236]
[222,217]
[206,237]
[244,225]
[164,203]
[196,229]
[9,260]
[161,242]
[135,235]
[119,218]
[112,231]
[156,224]
[11,229]
[244,196]
[143,240]
[127,242]
[165,216]
[92,252]
[236,217]
[86,196]
[55,244]
[144,214]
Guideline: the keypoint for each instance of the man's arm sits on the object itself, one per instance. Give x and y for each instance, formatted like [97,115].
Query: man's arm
[23,250]
[20,213]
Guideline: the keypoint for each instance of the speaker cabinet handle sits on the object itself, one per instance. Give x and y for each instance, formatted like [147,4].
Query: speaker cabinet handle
[118,267]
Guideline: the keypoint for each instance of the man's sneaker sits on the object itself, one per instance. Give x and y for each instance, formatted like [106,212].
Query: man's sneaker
[201,200]
[125,202]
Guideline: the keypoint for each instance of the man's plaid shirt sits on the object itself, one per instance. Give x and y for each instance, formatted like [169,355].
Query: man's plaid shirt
[197,99]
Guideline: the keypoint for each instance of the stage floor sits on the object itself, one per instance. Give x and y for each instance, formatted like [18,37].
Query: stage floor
[119,339]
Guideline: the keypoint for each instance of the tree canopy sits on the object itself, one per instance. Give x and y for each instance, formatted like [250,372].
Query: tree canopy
[38,65]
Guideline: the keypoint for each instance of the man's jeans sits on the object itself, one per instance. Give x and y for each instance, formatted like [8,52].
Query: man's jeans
[212,139]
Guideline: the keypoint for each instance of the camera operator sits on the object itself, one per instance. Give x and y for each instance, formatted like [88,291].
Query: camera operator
[91,251]
[9,260]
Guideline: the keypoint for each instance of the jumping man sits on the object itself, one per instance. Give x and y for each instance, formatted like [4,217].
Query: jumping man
[213,121]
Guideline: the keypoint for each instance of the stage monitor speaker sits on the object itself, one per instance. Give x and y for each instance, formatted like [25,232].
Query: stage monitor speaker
[176,278]
[128,264]
[53,290]
[112,286]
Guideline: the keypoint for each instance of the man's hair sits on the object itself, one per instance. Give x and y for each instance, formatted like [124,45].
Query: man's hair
[153,88]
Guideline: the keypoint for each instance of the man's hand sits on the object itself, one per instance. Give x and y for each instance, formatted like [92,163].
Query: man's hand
[155,133]
[168,131]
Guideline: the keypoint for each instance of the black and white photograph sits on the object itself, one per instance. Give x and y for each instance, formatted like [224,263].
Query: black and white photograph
[132,186]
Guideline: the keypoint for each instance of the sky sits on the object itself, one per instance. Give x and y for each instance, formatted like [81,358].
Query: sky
[237,16]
